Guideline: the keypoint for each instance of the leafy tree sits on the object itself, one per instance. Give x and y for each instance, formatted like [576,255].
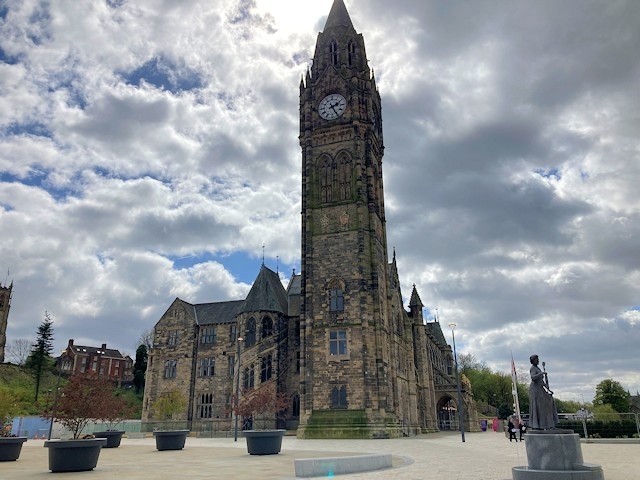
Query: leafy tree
[567,406]
[18,351]
[611,392]
[40,357]
[140,368]
[9,408]
[605,413]
[505,410]
[169,404]
[468,362]
[263,403]
[112,407]
[80,402]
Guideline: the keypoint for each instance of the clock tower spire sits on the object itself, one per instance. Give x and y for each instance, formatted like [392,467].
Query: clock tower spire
[346,386]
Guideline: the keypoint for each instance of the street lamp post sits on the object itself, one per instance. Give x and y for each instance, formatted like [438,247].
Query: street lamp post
[235,432]
[460,404]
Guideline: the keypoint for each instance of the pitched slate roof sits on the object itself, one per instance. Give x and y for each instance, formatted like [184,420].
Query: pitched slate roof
[267,294]
[107,352]
[436,332]
[295,285]
[215,313]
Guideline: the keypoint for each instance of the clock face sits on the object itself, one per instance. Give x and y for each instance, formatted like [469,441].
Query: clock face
[332,106]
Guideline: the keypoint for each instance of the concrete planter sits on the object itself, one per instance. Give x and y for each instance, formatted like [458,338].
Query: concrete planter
[10,448]
[170,439]
[264,442]
[114,437]
[74,455]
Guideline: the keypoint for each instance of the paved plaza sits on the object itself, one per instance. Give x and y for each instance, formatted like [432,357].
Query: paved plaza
[440,456]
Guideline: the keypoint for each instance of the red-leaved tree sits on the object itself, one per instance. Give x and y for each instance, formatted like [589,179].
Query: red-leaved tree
[263,404]
[86,398]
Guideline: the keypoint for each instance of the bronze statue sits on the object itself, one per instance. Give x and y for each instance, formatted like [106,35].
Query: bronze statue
[542,408]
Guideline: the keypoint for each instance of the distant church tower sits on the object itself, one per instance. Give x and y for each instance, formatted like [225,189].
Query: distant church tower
[346,389]
[5,304]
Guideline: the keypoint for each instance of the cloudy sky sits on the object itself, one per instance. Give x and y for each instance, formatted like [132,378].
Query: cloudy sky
[148,150]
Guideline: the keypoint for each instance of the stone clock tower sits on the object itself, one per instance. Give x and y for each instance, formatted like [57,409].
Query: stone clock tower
[346,386]
[5,304]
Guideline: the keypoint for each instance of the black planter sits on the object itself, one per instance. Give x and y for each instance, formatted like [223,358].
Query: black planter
[10,448]
[170,439]
[113,437]
[74,455]
[264,442]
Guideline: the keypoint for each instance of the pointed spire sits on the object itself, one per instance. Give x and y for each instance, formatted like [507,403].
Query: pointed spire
[415,298]
[338,16]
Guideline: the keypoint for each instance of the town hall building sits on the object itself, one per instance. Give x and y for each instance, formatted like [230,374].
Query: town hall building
[337,340]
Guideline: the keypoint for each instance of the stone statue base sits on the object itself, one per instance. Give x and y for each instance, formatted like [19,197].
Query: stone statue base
[555,455]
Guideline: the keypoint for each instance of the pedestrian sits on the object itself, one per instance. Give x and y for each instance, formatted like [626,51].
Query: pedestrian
[523,429]
[512,430]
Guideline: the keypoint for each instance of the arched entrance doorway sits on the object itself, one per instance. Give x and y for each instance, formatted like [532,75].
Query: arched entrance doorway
[447,414]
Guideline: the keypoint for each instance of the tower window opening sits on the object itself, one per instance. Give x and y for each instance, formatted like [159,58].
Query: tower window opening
[250,336]
[266,370]
[338,343]
[351,53]
[333,53]
[337,300]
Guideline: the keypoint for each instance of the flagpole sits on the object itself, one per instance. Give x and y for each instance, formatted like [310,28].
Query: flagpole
[514,387]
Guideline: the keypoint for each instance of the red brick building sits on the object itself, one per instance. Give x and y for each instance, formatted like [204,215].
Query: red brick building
[100,360]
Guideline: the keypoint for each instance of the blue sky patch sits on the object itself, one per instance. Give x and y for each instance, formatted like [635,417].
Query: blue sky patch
[163,74]
[115,3]
[241,265]
[550,173]
[6,58]
[35,129]
[4,11]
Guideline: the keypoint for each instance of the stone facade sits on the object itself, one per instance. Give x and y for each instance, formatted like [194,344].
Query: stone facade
[338,341]
[5,305]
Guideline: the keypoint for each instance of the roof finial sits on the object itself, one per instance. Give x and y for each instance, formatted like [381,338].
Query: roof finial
[263,254]
[277,263]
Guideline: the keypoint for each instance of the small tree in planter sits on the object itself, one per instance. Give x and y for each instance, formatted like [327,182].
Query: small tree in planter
[263,405]
[113,409]
[10,446]
[165,408]
[79,404]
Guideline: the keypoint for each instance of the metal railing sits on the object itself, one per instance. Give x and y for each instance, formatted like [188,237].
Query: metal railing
[603,425]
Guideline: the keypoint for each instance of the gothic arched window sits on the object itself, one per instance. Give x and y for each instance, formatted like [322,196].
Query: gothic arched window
[336,296]
[339,397]
[333,53]
[295,407]
[337,300]
[351,53]
[326,173]
[205,406]
[248,379]
[250,334]
[344,177]
[267,327]
[266,370]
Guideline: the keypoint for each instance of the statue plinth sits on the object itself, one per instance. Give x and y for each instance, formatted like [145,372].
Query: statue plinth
[555,454]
